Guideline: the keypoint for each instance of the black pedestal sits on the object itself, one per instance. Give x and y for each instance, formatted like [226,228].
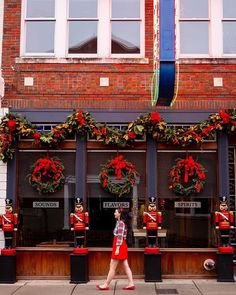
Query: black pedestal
[7,269]
[79,268]
[225,272]
[152,267]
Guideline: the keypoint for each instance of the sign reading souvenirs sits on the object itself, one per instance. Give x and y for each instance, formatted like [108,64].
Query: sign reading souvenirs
[45,204]
[115,204]
[187,204]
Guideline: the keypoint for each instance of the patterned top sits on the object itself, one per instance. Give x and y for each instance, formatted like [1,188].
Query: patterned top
[120,231]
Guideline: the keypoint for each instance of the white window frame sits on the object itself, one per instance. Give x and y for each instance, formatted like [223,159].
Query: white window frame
[104,30]
[215,19]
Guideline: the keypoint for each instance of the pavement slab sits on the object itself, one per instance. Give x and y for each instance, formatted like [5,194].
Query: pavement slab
[208,287]
[45,289]
[90,289]
[8,289]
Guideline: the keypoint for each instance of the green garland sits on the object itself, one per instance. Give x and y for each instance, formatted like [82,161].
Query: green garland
[80,123]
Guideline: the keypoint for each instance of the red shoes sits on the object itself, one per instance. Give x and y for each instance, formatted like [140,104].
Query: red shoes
[129,288]
[102,288]
[107,288]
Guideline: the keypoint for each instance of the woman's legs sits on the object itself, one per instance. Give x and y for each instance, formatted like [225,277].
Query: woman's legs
[128,272]
[111,273]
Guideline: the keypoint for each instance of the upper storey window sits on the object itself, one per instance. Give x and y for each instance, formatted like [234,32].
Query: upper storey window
[206,28]
[83,28]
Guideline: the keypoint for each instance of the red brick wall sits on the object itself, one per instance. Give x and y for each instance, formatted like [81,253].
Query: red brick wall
[76,85]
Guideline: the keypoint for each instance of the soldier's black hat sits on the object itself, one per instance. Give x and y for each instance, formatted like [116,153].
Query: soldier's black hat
[223,200]
[8,203]
[78,201]
[152,201]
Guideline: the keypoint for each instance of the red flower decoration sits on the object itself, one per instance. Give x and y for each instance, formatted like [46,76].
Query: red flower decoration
[11,125]
[80,118]
[187,177]
[155,118]
[124,176]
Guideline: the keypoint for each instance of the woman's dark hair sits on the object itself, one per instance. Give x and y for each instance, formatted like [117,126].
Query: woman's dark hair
[124,215]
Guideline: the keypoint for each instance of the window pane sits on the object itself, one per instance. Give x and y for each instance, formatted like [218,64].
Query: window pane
[194,37]
[183,224]
[40,225]
[229,8]
[40,8]
[83,8]
[132,8]
[40,37]
[193,8]
[82,37]
[125,37]
[102,221]
[229,37]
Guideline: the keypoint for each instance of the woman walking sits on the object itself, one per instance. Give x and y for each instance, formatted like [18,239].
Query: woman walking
[119,251]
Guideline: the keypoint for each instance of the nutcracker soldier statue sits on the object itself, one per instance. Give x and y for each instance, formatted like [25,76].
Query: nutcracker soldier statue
[224,221]
[79,221]
[152,222]
[8,223]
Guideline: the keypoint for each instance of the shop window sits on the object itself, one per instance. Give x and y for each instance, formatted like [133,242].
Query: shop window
[44,219]
[101,204]
[83,28]
[188,220]
[210,25]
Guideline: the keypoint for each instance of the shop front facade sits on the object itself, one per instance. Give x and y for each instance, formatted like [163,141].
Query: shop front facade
[110,76]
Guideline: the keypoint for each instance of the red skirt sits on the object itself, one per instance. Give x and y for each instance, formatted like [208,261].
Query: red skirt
[123,254]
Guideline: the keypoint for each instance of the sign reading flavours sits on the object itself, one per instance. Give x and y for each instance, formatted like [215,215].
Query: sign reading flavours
[187,204]
[45,204]
[115,204]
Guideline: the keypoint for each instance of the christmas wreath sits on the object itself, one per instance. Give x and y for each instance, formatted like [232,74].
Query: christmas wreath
[118,176]
[47,175]
[187,177]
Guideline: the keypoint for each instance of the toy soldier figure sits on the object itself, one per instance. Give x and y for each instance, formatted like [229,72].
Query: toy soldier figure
[224,220]
[152,222]
[79,221]
[8,223]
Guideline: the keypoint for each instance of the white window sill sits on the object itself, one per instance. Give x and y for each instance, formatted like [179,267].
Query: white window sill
[50,60]
[205,60]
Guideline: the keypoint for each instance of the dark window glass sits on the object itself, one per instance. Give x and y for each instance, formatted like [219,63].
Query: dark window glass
[183,224]
[102,221]
[41,226]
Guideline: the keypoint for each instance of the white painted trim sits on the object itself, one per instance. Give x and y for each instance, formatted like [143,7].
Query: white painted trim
[215,32]
[61,32]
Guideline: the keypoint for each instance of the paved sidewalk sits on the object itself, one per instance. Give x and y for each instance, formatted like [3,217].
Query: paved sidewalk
[168,287]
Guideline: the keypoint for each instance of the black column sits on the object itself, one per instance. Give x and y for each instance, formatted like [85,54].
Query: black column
[151,168]
[80,188]
[223,150]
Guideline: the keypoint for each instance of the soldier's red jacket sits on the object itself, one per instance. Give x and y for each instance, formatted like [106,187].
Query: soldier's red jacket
[224,219]
[152,220]
[8,221]
[79,221]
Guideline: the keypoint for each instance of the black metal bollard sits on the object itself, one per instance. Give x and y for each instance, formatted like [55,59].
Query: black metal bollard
[7,269]
[79,268]
[152,267]
[225,272]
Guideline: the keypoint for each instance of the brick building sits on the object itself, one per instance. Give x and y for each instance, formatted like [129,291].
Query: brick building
[98,57]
